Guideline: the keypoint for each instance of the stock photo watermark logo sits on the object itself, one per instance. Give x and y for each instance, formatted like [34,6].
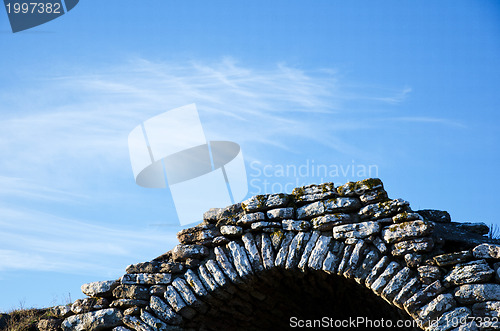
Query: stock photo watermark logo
[25,15]
[171,150]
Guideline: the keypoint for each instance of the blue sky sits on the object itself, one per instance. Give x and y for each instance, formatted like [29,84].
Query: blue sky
[409,88]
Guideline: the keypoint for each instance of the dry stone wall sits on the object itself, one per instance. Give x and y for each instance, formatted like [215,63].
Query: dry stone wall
[345,251]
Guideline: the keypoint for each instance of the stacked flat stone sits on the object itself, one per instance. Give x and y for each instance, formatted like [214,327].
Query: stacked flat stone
[353,231]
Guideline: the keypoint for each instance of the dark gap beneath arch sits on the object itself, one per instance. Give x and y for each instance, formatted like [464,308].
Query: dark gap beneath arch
[294,298]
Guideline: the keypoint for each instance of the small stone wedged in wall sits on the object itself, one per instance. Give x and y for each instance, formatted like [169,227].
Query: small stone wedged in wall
[486,251]
[314,192]
[449,259]
[99,289]
[96,320]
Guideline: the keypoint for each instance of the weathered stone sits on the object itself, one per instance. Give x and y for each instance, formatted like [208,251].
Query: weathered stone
[267,252]
[164,311]
[371,258]
[383,209]
[277,200]
[297,245]
[136,324]
[292,225]
[435,215]
[451,319]
[152,321]
[395,285]
[61,311]
[382,280]
[51,324]
[406,230]
[96,320]
[219,241]
[198,234]
[143,267]
[216,272]
[487,309]
[146,279]
[486,251]
[265,225]
[183,252]
[356,230]
[252,252]
[472,293]
[354,259]
[440,304]
[226,265]
[417,245]
[314,192]
[377,271]
[195,283]
[422,297]
[89,304]
[131,292]
[178,304]
[311,210]
[283,251]
[406,217]
[231,230]
[256,203]
[207,279]
[428,274]
[341,204]
[276,237]
[412,260]
[127,303]
[452,258]
[347,190]
[327,222]
[99,289]
[171,267]
[319,252]
[135,311]
[183,289]
[248,219]
[211,215]
[311,243]
[368,184]
[331,262]
[346,256]
[406,292]
[374,196]
[379,243]
[240,259]
[280,213]
[470,272]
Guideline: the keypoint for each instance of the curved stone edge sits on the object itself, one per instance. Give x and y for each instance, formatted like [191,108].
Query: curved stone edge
[354,231]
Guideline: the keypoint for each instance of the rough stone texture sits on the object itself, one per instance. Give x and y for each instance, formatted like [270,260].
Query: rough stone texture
[452,258]
[442,303]
[416,245]
[406,230]
[183,252]
[383,209]
[280,213]
[131,292]
[428,274]
[341,205]
[451,319]
[472,293]
[486,251]
[356,230]
[292,225]
[327,222]
[231,230]
[470,272]
[99,289]
[96,320]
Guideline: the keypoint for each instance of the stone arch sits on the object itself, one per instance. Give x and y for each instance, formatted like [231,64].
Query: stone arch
[323,253]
